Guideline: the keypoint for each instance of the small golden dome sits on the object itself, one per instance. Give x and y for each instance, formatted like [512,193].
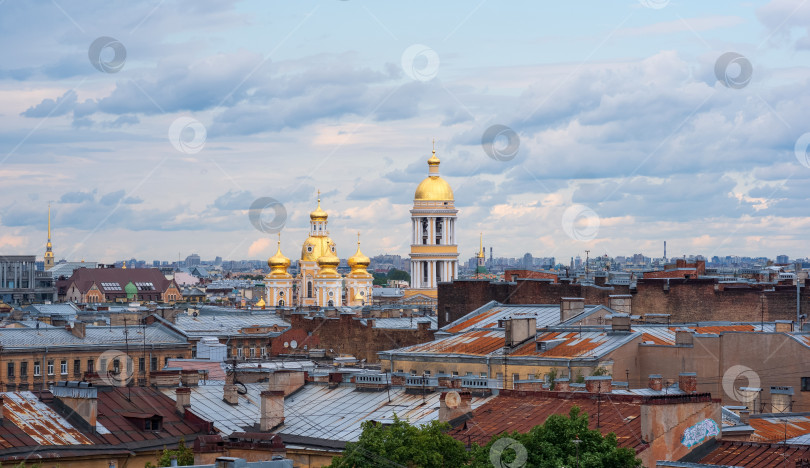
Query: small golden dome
[315,247]
[433,188]
[359,262]
[328,265]
[278,263]
[318,214]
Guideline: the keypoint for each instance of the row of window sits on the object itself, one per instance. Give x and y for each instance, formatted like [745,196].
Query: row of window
[249,352]
[12,367]
[499,376]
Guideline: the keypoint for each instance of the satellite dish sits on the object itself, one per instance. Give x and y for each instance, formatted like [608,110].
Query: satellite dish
[286,345]
[452,399]
[293,344]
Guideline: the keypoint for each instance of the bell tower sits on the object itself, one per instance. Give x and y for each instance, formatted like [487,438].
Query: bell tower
[49,246]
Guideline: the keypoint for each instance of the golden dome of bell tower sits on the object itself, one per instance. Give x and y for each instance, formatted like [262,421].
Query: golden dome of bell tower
[434,253]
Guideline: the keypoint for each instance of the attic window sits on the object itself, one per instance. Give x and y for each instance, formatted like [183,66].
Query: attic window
[145,421]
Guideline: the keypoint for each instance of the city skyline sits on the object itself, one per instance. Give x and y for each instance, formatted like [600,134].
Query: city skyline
[622,122]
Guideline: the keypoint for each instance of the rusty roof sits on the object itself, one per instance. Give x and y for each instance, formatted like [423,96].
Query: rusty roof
[778,427]
[35,423]
[520,411]
[756,455]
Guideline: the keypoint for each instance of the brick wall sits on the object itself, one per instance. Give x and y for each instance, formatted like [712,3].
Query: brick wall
[683,299]
[346,335]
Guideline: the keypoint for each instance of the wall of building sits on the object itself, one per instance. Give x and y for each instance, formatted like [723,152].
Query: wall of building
[346,335]
[663,427]
[771,359]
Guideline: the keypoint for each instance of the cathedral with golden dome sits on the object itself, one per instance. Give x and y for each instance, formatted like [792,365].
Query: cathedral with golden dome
[318,283]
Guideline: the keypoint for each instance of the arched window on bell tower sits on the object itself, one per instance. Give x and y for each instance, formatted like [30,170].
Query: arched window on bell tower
[425,230]
[425,272]
[439,230]
[309,289]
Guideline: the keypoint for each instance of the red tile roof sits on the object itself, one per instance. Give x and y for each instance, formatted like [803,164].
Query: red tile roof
[520,411]
[756,455]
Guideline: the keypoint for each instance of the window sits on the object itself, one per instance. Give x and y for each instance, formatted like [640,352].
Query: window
[37,370]
[141,365]
[400,371]
[63,367]
[77,367]
[469,374]
[50,367]
[455,373]
[153,364]
[116,366]
[10,371]
[427,373]
[413,372]
[309,289]
[166,361]
[23,369]
[331,303]
[239,352]
[263,351]
[90,365]
[806,384]
[102,366]
[483,374]
[515,377]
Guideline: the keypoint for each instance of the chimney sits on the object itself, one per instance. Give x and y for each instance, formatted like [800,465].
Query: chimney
[656,382]
[562,385]
[518,330]
[182,399]
[79,398]
[683,337]
[454,404]
[229,394]
[598,383]
[571,307]
[79,329]
[750,397]
[620,303]
[272,409]
[744,415]
[781,399]
[620,323]
[783,326]
[687,382]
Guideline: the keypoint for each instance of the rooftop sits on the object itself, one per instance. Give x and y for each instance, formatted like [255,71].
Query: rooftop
[26,338]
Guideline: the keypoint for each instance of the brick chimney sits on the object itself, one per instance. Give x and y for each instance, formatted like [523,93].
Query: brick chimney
[598,383]
[229,394]
[744,415]
[621,303]
[562,384]
[656,382]
[781,399]
[272,409]
[683,337]
[571,307]
[79,398]
[79,329]
[460,404]
[687,382]
[182,399]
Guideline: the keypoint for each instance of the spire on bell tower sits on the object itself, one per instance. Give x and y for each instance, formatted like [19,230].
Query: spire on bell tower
[49,246]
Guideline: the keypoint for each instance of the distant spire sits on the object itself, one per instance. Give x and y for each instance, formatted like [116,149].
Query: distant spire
[49,222]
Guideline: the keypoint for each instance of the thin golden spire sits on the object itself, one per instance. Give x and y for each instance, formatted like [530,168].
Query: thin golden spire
[49,222]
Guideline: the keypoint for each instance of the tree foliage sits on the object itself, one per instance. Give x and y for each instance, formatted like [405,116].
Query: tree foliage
[402,444]
[185,456]
[551,445]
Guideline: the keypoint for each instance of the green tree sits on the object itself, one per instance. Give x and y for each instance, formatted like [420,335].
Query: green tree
[552,378]
[185,456]
[551,445]
[395,274]
[400,443]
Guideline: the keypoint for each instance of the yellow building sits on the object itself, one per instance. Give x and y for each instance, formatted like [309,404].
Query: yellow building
[319,283]
[434,253]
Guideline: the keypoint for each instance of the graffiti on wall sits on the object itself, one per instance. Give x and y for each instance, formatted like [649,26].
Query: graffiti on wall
[700,432]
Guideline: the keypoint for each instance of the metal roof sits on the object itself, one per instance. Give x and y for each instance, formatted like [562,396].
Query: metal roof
[37,421]
[403,323]
[227,324]
[487,316]
[26,338]
[315,410]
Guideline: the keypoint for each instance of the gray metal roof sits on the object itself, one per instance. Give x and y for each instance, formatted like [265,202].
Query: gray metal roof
[403,322]
[26,338]
[226,324]
[315,410]
[488,315]
[53,309]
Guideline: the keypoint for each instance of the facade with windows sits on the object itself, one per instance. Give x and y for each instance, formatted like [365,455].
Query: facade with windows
[21,283]
[33,358]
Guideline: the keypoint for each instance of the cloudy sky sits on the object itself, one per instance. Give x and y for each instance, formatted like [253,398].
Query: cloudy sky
[153,127]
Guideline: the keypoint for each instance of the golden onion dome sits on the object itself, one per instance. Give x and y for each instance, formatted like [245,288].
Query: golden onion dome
[328,265]
[318,214]
[433,188]
[359,262]
[278,264]
[359,297]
